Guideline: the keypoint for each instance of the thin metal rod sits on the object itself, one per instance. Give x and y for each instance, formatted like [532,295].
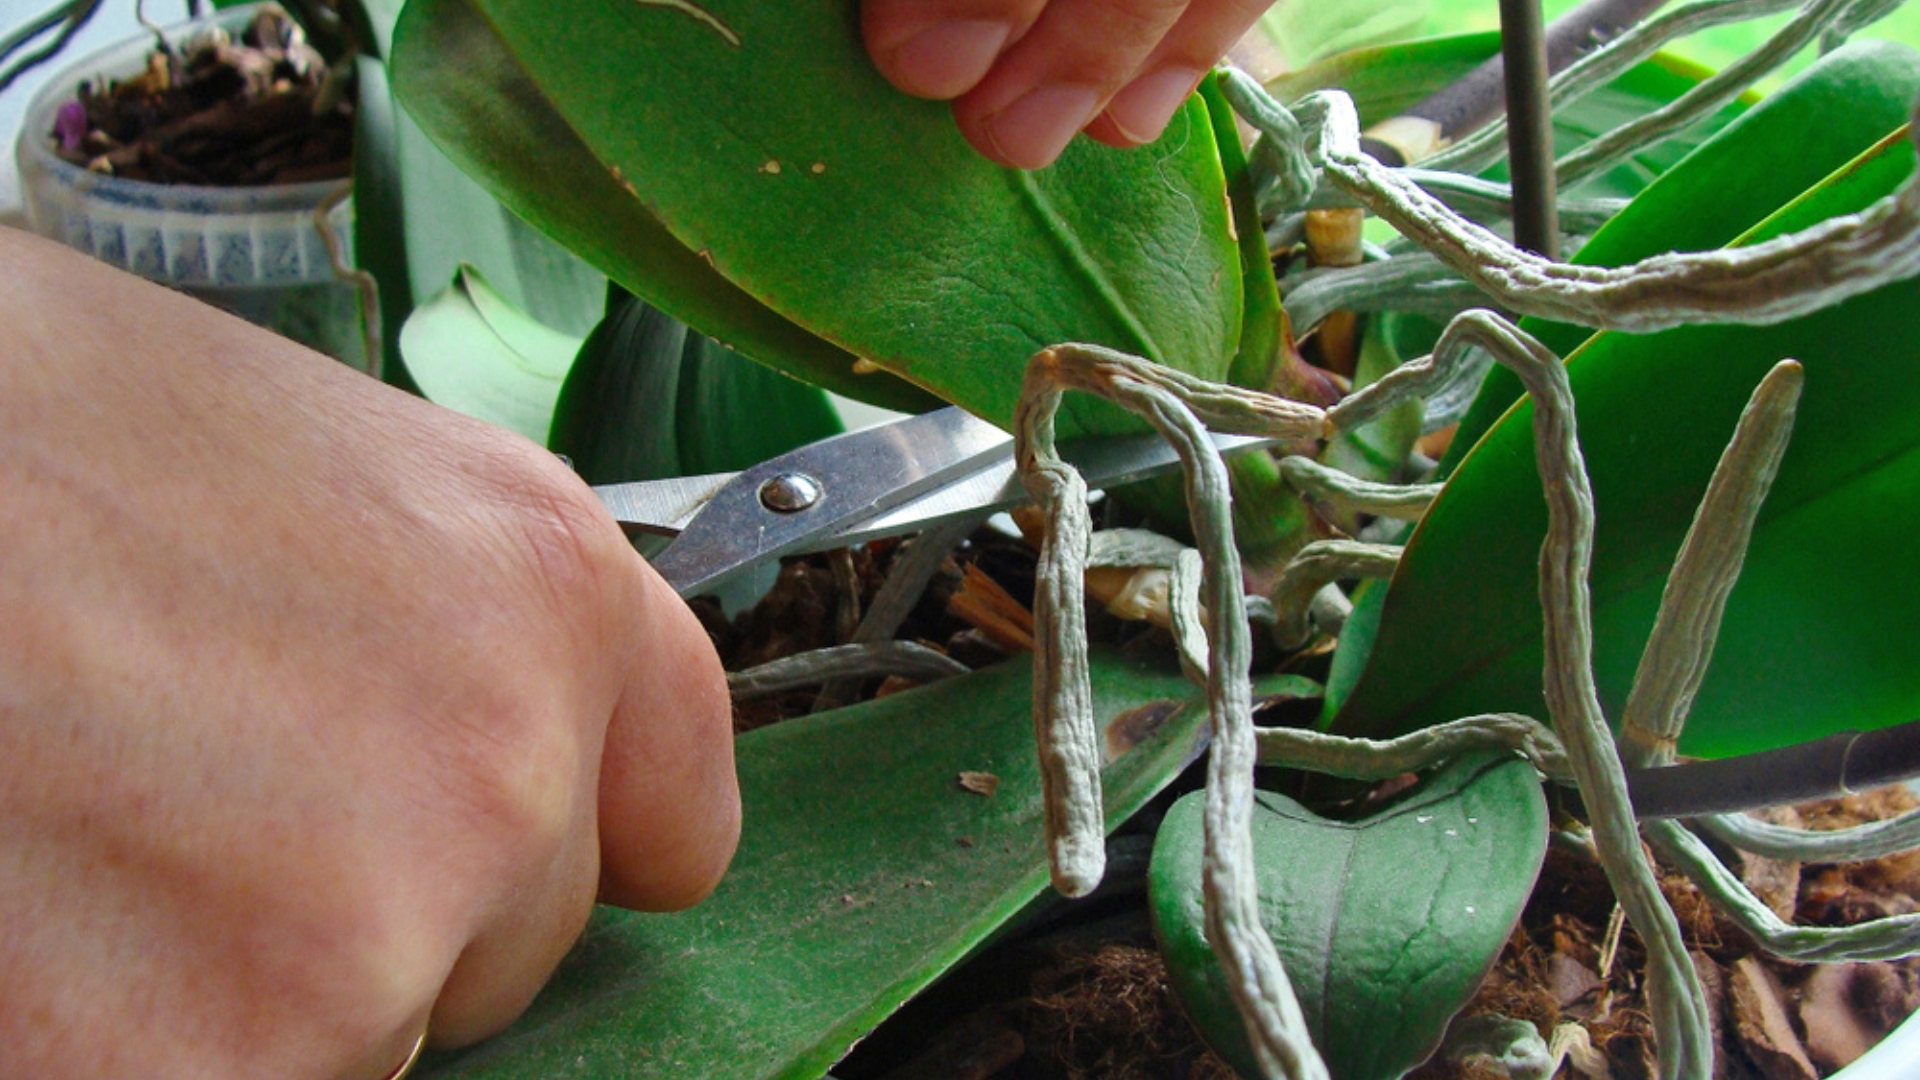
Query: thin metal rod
[1523,52]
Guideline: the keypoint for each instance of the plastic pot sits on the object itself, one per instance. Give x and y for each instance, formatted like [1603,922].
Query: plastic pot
[255,251]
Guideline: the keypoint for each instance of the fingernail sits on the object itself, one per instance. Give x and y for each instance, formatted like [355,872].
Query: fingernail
[946,60]
[1141,111]
[1033,130]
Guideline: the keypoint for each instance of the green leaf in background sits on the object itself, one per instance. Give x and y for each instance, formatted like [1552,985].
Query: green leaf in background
[379,210]
[1713,48]
[1789,142]
[381,16]
[1303,31]
[418,218]
[1637,91]
[647,399]
[1377,450]
[1817,635]
[871,223]
[1386,80]
[864,871]
[1386,925]
[474,352]
[470,93]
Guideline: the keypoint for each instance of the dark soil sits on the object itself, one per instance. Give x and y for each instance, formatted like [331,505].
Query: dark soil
[263,109]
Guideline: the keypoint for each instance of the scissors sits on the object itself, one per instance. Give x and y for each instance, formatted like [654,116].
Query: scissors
[927,470]
[895,478]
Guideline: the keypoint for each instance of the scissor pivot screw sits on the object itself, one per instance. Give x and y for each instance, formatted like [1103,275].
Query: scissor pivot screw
[790,493]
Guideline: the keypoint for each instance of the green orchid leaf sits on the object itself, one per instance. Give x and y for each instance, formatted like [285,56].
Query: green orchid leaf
[1302,31]
[647,400]
[381,17]
[1264,339]
[474,352]
[379,209]
[1812,643]
[450,220]
[1378,450]
[1386,925]
[864,871]
[1386,80]
[1637,91]
[478,105]
[734,414]
[1355,645]
[1795,137]
[418,219]
[870,223]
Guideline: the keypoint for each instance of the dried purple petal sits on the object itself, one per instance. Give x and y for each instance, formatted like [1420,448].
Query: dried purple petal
[70,125]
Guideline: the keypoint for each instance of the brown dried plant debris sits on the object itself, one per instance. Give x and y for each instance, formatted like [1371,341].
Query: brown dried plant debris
[813,601]
[219,111]
[989,608]
[1112,1014]
[1773,1020]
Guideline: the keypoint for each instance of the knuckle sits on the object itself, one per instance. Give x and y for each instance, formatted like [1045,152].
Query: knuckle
[557,541]
[518,779]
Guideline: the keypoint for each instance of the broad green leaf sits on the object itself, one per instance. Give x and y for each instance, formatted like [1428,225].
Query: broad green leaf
[1386,925]
[864,871]
[1785,145]
[646,400]
[471,95]
[474,352]
[761,138]
[1815,638]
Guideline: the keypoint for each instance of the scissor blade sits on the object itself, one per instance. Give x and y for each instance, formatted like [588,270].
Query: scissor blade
[662,507]
[850,478]
[1104,461]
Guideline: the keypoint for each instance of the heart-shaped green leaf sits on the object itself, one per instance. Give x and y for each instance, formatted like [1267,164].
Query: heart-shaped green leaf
[760,137]
[472,351]
[647,399]
[1792,140]
[1385,925]
[1814,641]
[864,871]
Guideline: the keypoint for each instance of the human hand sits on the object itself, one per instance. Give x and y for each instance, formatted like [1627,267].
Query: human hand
[323,710]
[1025,75]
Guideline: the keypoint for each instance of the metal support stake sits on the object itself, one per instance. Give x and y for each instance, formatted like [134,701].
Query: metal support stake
[1523,50]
